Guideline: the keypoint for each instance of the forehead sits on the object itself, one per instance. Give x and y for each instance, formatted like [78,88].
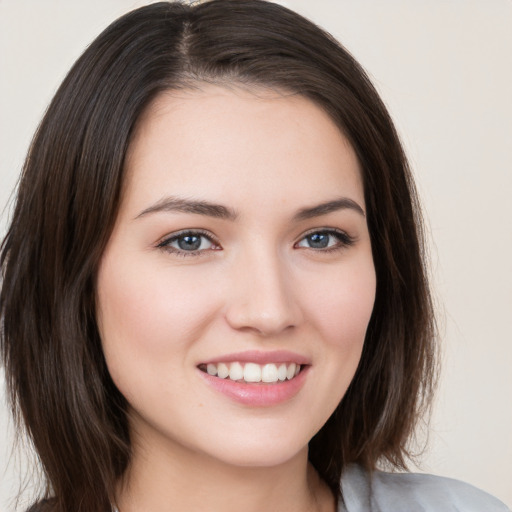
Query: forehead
[251,143]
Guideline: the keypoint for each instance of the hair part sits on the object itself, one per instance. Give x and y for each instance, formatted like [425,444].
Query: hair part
[68,199]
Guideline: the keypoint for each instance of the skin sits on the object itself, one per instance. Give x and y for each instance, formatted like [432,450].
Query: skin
[255,284]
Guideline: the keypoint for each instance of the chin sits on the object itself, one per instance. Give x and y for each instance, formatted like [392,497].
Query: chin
[265,450]
[263,457]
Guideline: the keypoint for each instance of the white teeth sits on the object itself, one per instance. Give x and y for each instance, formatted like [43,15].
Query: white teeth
[236,371]
[222,370]
[269,373]
[253,372]
[281,372]
[290,372]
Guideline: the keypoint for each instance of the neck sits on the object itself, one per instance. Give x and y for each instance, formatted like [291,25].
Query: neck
[160,479]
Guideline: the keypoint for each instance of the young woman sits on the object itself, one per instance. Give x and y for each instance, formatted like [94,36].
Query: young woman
[214,293]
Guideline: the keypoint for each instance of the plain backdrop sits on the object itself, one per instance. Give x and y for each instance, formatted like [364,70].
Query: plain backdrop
[444,68]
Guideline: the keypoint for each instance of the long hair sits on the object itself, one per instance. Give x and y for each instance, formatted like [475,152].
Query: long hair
[67,202]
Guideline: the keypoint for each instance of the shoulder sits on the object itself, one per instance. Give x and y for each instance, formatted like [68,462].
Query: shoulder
[402,492]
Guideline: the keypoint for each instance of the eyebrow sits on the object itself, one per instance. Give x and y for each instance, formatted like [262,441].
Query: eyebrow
[176,204]
[342,203]
[199,207]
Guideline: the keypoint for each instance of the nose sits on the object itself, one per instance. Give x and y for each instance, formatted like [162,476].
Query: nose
[262,299]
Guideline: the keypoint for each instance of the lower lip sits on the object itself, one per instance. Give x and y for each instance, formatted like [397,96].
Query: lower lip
[257,394]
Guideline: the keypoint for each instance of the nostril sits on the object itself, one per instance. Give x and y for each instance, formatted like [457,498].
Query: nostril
[263,323]
[262,300]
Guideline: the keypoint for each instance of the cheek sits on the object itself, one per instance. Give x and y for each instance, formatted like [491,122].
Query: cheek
[147,315]
[343,307]
[339,310]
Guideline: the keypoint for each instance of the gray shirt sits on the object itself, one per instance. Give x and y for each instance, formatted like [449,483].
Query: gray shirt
[411,492]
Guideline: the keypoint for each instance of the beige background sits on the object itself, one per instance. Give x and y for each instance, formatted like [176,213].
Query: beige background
[445,70]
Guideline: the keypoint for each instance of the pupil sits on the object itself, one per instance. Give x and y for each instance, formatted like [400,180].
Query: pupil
[318,240]
[189,242]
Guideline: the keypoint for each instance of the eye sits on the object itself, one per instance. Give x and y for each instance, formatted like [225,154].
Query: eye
[328,239]
[189,243]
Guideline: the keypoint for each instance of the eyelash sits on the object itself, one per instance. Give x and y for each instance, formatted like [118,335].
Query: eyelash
[165,244]
[344,241]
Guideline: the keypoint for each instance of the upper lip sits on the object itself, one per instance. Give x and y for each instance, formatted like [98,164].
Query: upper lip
[260,357]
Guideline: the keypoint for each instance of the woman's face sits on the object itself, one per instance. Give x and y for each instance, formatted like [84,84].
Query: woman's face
[236,288]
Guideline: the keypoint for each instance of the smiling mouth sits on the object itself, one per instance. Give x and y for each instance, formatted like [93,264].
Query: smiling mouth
[253,373]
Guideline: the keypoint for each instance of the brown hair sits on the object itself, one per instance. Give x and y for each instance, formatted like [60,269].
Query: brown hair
[67,203]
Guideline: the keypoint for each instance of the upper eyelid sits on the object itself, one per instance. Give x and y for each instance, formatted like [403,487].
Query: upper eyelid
[212,238]
[336,231]
[345,239]
[322,230]
[193,231]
